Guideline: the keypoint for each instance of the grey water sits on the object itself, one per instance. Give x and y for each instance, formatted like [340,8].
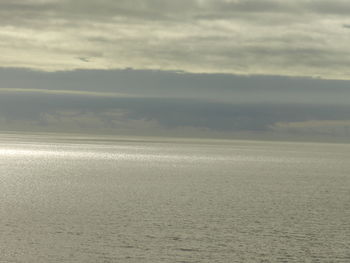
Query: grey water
[172,201]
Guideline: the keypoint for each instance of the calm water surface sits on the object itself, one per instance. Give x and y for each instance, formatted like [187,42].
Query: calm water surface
[115,201]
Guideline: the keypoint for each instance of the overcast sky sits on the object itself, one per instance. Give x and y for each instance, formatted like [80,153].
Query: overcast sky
[217,68]
[288,37]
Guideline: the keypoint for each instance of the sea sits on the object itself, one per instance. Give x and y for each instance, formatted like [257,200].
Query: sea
[95,199]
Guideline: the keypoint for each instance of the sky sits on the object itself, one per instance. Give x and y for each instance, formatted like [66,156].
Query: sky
[191,68]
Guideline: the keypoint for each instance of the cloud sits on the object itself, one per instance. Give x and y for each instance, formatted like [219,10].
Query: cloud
[219,88]
[63,92]
[147,102]
[330,128]
[140,116]
[274,37]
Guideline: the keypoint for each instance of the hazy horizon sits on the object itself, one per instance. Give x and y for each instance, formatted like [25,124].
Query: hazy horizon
[174,104]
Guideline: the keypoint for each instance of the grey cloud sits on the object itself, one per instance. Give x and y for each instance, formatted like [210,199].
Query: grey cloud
[166,84]
[237,37]
[155,10]
[169,102]
[169,114]
[84,59]
[338,7]
[264,6]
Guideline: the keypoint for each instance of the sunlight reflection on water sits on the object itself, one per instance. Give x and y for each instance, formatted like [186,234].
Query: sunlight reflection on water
[173,202]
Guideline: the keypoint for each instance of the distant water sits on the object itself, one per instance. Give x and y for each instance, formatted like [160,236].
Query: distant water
[138,201]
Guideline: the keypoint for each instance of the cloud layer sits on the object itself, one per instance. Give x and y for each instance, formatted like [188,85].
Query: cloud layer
[132,102]
[297,38]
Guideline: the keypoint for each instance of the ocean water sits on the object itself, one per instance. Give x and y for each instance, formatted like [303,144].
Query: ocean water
[81,200]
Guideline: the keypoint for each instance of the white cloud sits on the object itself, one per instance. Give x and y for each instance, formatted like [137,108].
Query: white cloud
[334,128]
